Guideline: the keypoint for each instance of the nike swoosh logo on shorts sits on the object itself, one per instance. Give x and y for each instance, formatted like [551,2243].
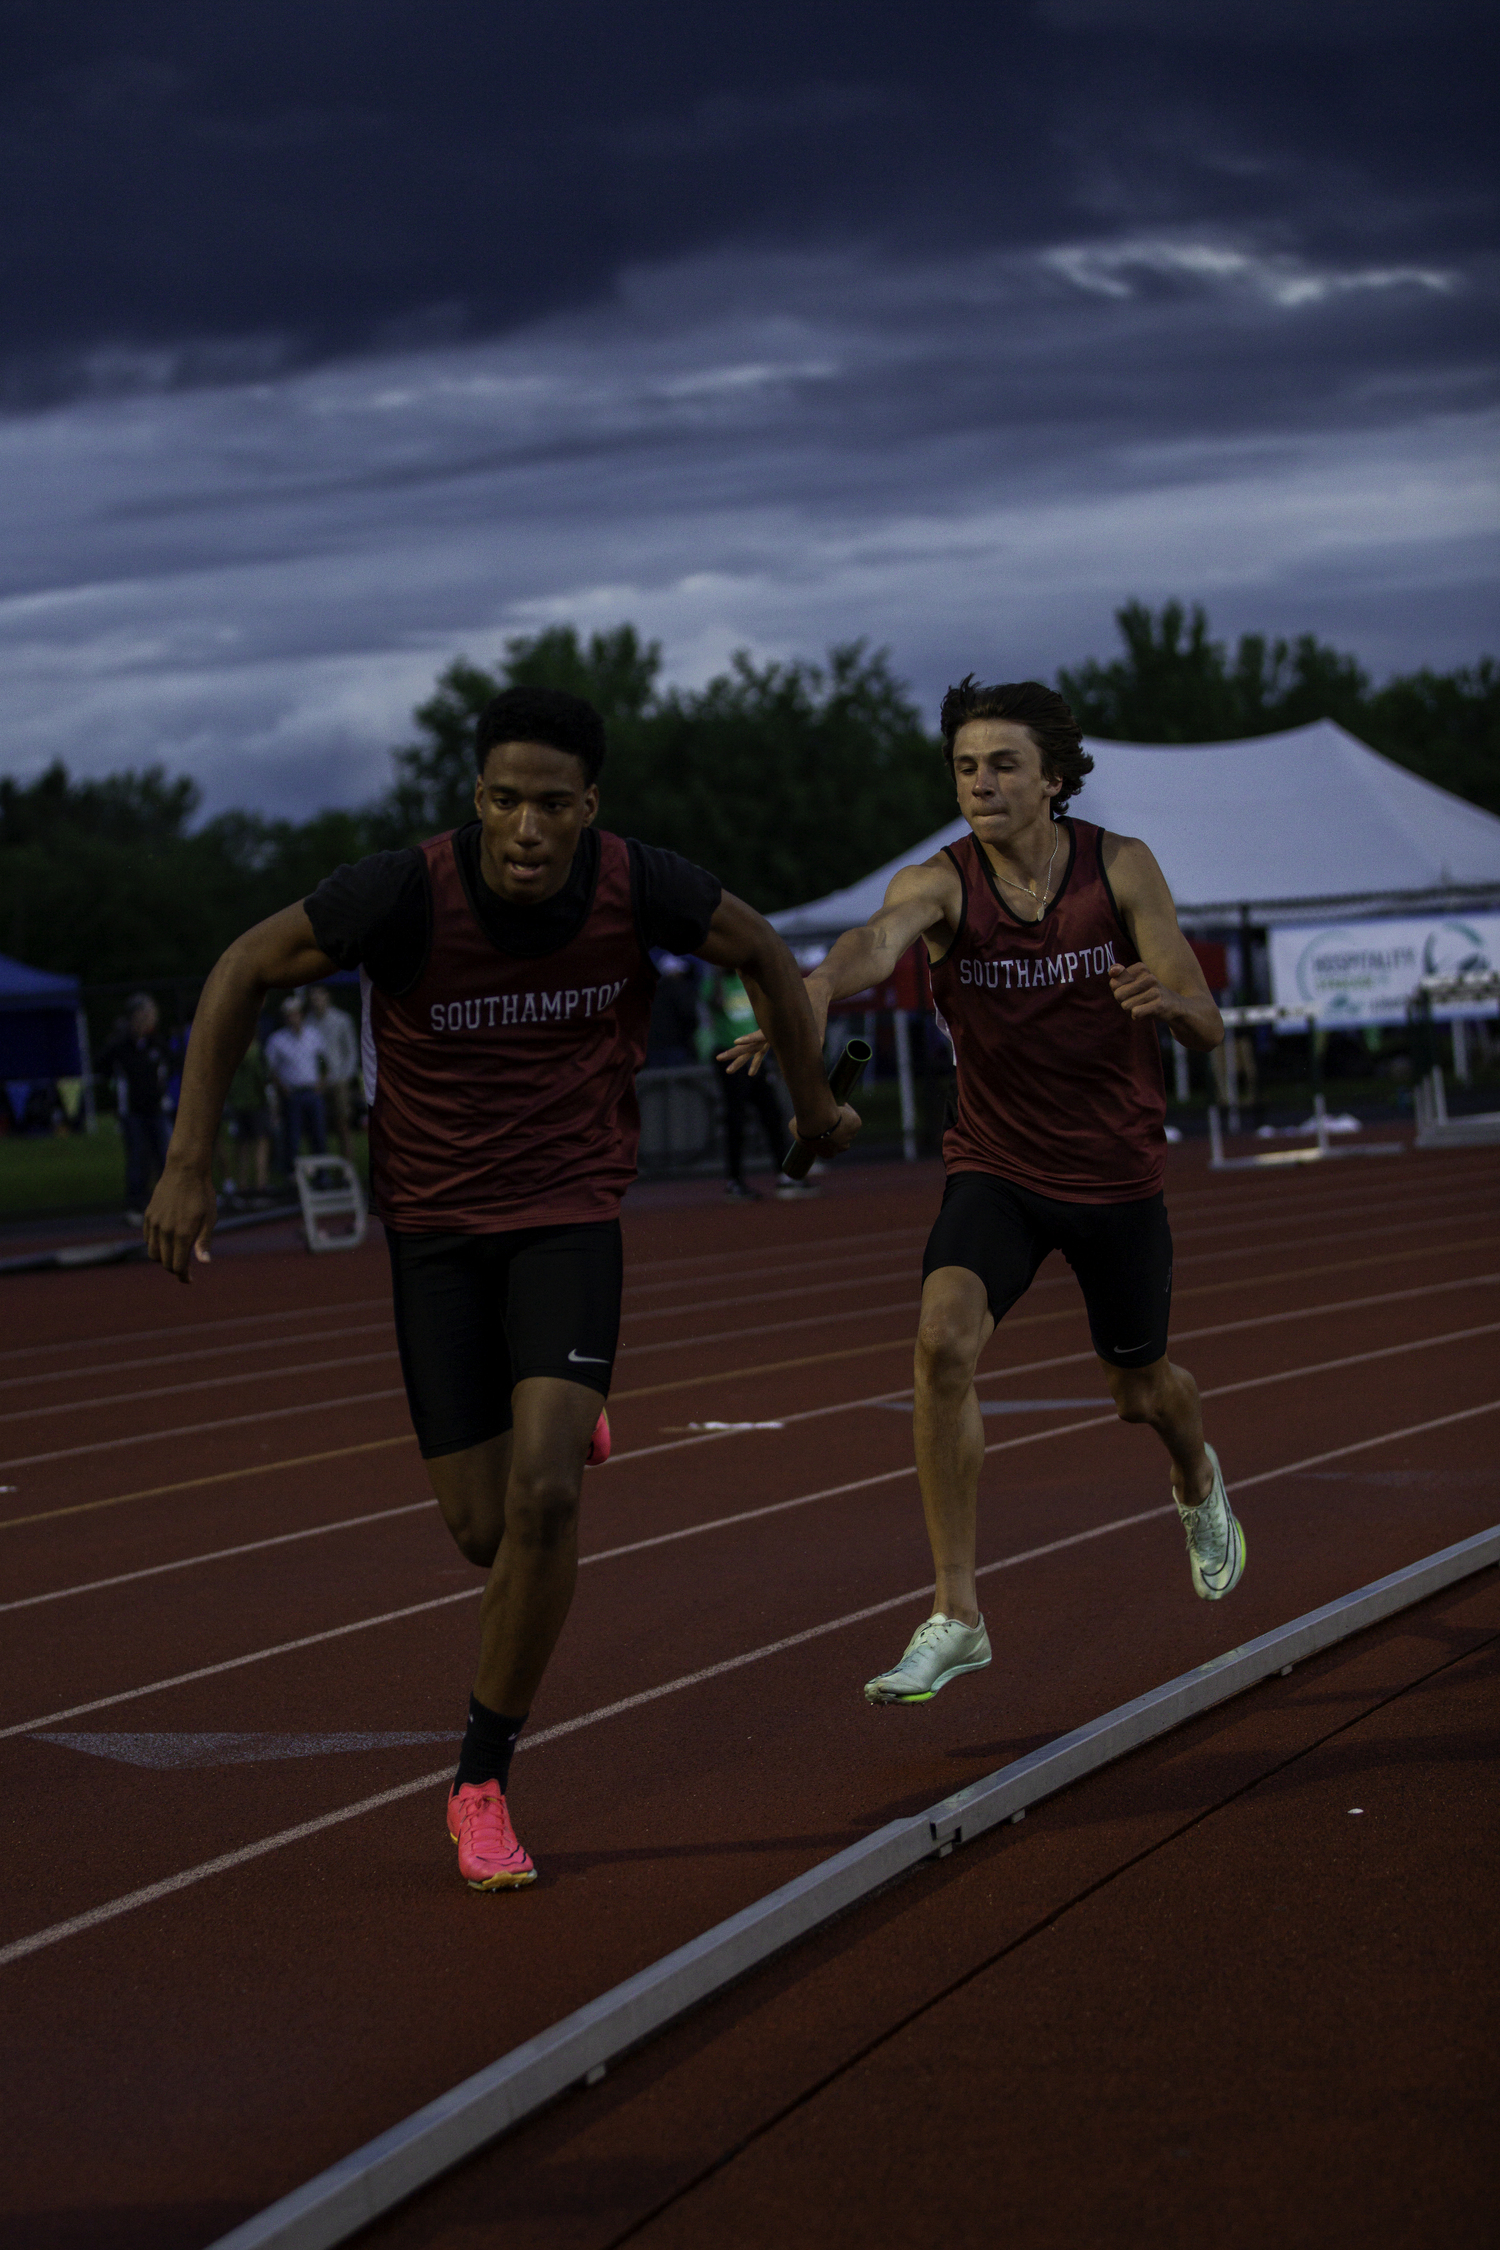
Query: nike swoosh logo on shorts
[1140,1347]
[589,1359]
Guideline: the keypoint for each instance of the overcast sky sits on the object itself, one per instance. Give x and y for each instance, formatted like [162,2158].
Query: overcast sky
[340,336]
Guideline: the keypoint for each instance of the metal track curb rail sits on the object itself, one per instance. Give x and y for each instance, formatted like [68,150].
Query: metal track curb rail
[68,1257]
[338,2202]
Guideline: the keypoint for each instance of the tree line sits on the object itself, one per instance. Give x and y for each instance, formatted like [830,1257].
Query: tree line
[788,780]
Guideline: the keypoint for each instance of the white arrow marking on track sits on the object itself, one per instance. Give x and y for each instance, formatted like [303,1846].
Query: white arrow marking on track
[172,1750]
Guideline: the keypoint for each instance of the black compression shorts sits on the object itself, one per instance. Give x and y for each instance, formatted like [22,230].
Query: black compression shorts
[1121,1253]
[477,1313]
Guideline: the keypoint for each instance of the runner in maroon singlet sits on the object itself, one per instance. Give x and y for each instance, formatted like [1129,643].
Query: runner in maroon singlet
[1055,958]
[507,978]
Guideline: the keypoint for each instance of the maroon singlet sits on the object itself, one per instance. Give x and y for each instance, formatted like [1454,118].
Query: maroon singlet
[1058,1089]
[504,1090]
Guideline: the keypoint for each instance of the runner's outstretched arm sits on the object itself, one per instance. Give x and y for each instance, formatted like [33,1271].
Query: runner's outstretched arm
[1166,984]
[923,901]
[279,951]
[739,938]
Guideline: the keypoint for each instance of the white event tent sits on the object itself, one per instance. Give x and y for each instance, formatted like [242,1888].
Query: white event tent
[1271,829]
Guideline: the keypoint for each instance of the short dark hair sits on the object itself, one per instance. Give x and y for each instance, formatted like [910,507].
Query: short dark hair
[1040,710]
[542,714]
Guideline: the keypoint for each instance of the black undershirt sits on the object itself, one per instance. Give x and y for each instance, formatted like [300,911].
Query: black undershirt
[377,913]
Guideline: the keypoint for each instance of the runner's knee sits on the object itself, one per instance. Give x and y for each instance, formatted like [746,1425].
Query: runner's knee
[946,1347]
[541,1510]
[471,1495]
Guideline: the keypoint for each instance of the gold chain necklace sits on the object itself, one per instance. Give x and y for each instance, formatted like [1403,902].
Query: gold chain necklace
[1030,888]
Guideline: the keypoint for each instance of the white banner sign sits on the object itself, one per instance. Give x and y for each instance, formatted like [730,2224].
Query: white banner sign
[1365,972]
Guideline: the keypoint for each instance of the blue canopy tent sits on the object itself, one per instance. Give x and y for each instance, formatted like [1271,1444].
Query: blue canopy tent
[43,1031]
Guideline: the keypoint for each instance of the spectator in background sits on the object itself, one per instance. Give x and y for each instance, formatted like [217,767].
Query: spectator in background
[673,1037]
[731,1015]
[296,1060]
[341,1060]
[137,1059]
[247,1125]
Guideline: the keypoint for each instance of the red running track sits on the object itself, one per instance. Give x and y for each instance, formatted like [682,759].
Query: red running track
[233,1620]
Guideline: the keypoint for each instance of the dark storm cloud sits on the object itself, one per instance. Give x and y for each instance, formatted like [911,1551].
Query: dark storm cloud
[340,337]
[206,194]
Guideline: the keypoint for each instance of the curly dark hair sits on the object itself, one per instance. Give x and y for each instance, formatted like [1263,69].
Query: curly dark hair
[542,714]
[1040,710]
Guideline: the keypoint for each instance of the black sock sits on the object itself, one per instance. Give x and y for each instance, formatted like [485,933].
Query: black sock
[488,1746]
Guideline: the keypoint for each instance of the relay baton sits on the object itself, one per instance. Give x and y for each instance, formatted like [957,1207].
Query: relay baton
[842,1080]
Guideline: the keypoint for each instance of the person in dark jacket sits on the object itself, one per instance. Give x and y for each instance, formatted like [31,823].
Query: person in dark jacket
[137,1059]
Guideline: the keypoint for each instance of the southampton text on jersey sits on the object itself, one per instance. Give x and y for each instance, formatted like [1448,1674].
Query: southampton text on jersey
[494,1010]
[1015,973]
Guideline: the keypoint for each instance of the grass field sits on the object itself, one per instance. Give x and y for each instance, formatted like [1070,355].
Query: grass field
[76,1173]
[68,1172]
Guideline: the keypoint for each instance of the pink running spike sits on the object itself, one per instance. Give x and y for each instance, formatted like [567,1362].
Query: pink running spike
[598,1452]
[489,1856]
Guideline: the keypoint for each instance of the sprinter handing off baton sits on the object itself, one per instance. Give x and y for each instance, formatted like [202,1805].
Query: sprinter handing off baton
[1055,958]
[508,981]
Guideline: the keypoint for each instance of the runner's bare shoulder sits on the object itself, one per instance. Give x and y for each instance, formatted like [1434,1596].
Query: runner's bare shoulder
[1131,869]
[928,899]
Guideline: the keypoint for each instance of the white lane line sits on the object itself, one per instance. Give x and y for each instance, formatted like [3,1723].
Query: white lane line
[1314,1312]
[664,1344]
[1363,1445]
[19,1948]
[869,1248]
[808,1414]
[718,1523]
[220,1554]
[1184,1239]
[212,1351]
[1260,1382]
[197,1429]
[237,1663]
[1203,1213]
[171,1359]
[313,1368]
[195,1328]
[908,1306]
[305,1373]
[769,1296]
[439,1601]
[412,1507]
[818,1253]
[815,1250]
[367,1398]
[307,1369]
[1357,1359]
[1078,1359]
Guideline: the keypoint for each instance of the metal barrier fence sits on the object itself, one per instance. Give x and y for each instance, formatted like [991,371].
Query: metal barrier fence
[682,1106]
[681,1120]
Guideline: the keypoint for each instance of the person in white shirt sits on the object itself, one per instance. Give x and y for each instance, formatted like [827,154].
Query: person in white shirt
[341,1051]
[298,1065]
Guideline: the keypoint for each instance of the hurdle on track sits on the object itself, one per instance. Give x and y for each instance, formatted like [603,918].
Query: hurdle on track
[1241,1019]
[1435,1128]
[333,1203]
